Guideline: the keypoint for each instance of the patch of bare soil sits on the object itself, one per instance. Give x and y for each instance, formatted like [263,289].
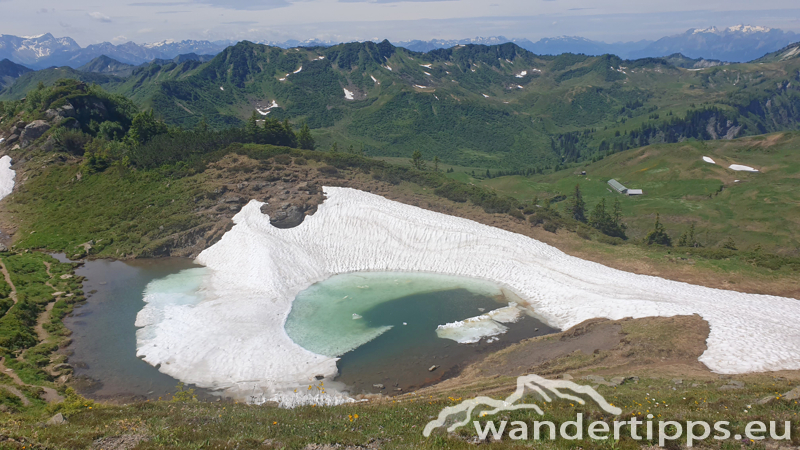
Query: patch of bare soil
[652,347]
[124,442]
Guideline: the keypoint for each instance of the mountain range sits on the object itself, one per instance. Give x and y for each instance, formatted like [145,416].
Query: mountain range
[739,43]
[734,44]
[497,106]
[39,52]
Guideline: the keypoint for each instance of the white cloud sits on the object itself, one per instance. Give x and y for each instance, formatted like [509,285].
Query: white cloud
[100,17]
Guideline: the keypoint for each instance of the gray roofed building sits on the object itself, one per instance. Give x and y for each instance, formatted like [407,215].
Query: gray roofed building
[617,186]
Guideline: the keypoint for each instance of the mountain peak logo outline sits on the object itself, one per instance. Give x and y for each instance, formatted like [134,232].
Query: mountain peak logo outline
[536,384]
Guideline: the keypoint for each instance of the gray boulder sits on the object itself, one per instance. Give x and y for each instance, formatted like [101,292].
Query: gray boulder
[732,385]
[67,111]
[288,218]
[794,394]
[58,419]
[33,131]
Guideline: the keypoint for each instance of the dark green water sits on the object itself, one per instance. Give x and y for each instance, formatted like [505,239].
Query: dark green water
[401,357]
[103,348]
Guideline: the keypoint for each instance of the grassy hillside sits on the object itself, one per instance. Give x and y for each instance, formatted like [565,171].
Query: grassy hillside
[760,209]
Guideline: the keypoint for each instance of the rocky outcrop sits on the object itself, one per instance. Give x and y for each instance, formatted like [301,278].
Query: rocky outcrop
[33,131]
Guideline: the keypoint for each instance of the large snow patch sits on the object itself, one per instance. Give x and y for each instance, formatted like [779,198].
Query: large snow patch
[6,177]
[234,337]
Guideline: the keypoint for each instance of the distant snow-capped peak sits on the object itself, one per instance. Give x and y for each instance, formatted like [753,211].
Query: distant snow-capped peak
[733,29]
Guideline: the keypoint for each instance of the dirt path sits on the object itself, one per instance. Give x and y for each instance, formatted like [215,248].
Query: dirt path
[49,395]
[7,276]
[43,319]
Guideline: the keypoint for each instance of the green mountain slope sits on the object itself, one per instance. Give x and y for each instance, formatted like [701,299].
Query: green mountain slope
[10,71]
[104,64]
[479,106]
[789,52]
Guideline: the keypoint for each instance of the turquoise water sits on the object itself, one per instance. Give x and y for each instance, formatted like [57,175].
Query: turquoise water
[383,326]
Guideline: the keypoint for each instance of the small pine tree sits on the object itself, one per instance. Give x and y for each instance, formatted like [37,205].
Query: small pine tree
[577,207]
[659,234]
[730,244]
[304,138]
[335,148]
[435,163]
[417,161]
[688,239]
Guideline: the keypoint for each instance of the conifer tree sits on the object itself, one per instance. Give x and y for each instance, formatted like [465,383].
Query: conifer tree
[417,161]
[304,138]
[730,244]
[577,207]
[658,235]
[688,239]
[435,163]
[335,147]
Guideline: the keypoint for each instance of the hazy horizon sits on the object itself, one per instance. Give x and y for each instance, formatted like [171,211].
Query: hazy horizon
[90,22]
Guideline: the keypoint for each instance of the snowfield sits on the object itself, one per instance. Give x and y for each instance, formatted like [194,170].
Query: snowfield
[741,168]
[6,177]
[348,95]
[708,160]
[226,331]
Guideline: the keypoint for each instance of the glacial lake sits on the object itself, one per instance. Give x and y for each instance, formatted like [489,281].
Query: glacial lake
[382,325]
[103,348]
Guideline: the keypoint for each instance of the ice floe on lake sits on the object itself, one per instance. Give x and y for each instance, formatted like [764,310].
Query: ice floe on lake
[472,330]
[228,331]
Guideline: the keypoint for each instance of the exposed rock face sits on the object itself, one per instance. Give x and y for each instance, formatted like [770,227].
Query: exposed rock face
[33,131]
[289,217]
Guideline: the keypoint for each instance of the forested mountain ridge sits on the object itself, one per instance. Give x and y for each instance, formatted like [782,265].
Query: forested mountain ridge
[473,105]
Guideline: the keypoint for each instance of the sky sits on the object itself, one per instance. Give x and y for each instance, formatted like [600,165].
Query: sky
[142,21]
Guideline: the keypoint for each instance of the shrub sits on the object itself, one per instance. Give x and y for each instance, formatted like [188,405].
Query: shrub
[456,192]
[550,226]
[70,141]
[283,159]
[328,170]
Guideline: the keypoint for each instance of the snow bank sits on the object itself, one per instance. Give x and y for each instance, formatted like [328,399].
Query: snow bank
[298,70]
[234,338]
[375,79]
[6,177]
[708,160]
[268,109]
[741,168]
[522,74]
[348,95]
